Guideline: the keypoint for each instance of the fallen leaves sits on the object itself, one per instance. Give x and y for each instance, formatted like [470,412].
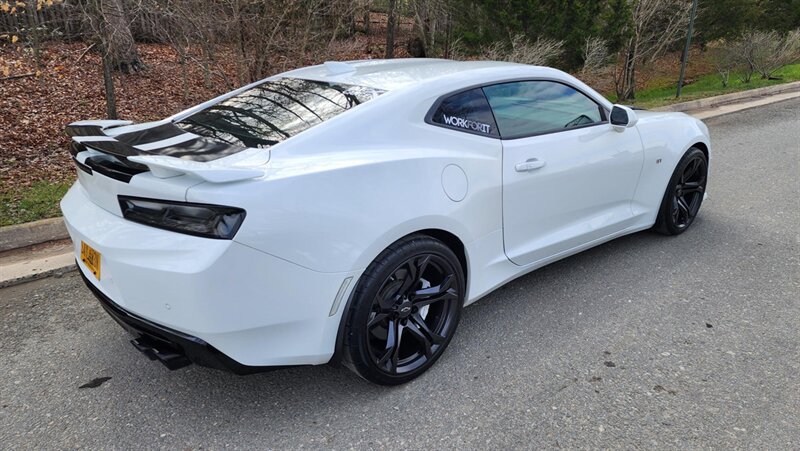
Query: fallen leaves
[69,86]
[34,110]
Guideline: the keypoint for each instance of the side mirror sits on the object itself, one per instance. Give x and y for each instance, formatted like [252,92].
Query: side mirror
[623,117]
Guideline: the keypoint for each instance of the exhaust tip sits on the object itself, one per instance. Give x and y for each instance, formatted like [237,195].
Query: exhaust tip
[171,358]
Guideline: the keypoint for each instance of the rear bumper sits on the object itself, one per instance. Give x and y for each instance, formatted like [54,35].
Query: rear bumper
[252,307]
[172,348]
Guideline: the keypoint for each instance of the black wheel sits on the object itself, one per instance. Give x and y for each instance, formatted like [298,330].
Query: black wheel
[405,311]
[684,194]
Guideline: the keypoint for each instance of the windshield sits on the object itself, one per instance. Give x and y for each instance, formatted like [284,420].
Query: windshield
[275,110]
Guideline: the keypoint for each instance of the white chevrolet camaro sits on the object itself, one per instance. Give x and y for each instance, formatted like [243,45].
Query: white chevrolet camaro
[348,211]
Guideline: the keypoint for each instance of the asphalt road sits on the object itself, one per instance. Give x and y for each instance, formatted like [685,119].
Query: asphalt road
[645,342]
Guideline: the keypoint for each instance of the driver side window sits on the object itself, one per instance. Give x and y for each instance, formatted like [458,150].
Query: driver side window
[528,108]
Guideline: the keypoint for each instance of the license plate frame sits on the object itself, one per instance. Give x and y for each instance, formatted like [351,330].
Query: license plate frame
[91,258]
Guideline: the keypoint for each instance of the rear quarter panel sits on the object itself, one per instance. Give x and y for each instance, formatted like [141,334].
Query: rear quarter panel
[335,196]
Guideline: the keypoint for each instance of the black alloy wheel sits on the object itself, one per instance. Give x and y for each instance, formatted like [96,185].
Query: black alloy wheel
[404,311]
[684,194]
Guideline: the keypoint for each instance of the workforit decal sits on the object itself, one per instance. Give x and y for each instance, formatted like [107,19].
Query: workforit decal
[465,123]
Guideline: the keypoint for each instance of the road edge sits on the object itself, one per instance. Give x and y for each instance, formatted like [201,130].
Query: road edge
[732,98]
[31,233]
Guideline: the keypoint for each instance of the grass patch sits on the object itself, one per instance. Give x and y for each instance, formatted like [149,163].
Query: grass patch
[38,201]
[662,92]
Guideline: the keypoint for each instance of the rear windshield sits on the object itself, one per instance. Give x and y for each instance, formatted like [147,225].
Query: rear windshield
[275,110]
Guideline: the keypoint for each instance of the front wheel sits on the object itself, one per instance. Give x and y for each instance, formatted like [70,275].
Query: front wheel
[404,312]
[684,194]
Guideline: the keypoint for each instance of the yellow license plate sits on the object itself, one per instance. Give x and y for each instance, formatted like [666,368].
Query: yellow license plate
[91,258]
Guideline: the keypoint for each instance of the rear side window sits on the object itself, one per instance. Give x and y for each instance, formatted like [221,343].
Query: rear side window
[528,108]
[275,110]
[466,111]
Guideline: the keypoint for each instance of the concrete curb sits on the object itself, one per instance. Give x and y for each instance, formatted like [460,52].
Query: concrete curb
[57,271]
[28,234]
[34,262]
[711,102]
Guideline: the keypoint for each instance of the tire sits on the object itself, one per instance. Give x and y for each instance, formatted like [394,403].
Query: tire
[404,312]
[684,194]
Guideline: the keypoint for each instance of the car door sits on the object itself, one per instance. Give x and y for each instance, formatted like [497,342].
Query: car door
[568,175]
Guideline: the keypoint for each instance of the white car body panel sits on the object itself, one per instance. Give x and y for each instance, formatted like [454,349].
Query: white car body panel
[323,204]
[582,193]
[206,288]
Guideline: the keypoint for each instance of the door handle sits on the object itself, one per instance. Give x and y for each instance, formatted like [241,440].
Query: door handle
[529,165]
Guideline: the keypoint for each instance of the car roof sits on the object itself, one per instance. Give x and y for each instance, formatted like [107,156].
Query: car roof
[390,74]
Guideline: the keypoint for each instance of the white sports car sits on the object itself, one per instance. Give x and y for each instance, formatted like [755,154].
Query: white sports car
[348,211]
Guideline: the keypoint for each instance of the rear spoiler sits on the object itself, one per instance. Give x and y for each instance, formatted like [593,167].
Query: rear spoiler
[165,167]
[122,150]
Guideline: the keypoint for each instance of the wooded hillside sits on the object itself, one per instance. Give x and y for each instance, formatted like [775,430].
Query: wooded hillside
[66,60]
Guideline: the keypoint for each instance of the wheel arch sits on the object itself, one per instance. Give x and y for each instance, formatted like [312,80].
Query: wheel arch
[450,239]
[665,223]
[697,143]
[703,147]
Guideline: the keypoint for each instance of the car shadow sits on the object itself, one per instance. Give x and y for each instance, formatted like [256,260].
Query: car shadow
[326,387]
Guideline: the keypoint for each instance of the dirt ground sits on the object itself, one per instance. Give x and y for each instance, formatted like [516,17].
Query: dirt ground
[69,86]
[35,109]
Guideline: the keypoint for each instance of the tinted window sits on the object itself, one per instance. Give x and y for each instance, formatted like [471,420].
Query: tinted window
[533,107]
[275,110]
[468,111]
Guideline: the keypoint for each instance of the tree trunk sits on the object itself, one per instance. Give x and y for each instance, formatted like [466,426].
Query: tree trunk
[108,83]
[206,65]
[33,21]
[121,47]
[390,28]
[630,94]
[448,37]
[626,84]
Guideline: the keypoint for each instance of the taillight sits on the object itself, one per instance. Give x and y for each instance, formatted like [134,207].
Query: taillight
[208,221]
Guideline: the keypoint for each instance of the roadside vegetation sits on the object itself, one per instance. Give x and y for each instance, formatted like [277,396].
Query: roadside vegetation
[661,92]
[37,201]
[66,60]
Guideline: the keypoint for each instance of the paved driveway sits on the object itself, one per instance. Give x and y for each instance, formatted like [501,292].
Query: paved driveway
[647,341]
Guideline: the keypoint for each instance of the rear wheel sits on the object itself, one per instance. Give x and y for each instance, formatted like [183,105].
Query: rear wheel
[404,312]
[684,194]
